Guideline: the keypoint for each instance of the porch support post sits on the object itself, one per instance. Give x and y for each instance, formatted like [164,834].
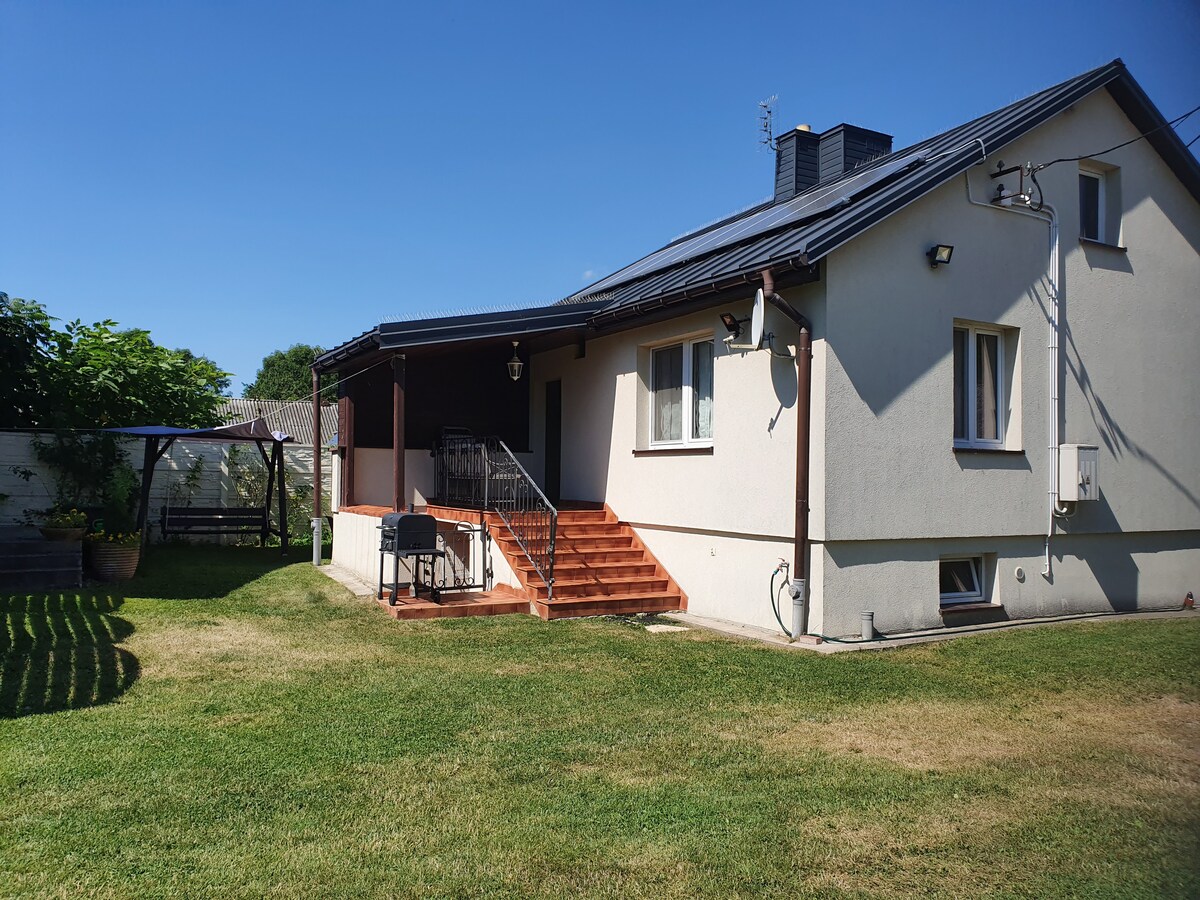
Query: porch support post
[266,529]
[149,458]
[277,453]
[398,504]
[346,439]
[317,522]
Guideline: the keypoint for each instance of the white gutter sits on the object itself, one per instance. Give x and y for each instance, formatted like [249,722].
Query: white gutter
[1055,305]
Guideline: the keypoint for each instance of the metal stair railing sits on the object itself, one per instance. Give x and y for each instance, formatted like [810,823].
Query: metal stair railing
[482,473]
[529,516]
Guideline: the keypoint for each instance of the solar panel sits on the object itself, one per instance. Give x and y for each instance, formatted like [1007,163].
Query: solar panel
[812,203]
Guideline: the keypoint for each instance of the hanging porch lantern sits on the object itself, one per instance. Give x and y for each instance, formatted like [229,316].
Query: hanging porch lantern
[515,365]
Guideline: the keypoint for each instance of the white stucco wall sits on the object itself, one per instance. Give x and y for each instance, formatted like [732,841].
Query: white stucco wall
[718,522]
[1130,377]
[356,547]
[373,476]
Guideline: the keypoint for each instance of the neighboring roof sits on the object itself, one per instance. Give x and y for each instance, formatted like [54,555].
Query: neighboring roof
[797,233]
[256,430]
[287,416]
[802,230]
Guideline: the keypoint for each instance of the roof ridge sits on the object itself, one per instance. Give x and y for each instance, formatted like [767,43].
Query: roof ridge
[947,142]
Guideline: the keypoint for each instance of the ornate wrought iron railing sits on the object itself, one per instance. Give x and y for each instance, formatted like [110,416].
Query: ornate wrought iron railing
[482,473]
[463,566]
[460,468]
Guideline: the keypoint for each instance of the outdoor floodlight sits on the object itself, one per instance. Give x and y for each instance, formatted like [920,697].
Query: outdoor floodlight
[732,324]
[939,255]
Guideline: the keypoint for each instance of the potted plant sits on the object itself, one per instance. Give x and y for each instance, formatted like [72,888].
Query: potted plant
[64,525]
[114,555]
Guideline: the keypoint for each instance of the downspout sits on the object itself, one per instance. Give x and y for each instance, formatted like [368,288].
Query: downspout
[1056,509]
[803,424]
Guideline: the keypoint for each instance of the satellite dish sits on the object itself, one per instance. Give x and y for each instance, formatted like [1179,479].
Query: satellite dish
[756,320]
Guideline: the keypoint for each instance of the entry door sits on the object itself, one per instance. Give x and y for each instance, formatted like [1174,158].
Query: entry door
[553,441]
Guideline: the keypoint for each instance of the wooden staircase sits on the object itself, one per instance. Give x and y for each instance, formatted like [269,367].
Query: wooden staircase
[601,568]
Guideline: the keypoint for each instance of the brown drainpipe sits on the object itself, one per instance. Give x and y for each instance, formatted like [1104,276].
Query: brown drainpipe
[803,424]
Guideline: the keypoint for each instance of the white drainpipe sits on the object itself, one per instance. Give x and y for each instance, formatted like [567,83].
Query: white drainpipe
[1055,305]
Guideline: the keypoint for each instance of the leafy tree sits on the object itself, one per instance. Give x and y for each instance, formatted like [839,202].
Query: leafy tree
[100,377]
[96,376]
[25,339]
[287,375]
[222,384]
[84,377]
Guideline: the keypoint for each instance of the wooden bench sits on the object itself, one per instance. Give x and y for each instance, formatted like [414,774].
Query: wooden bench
[189,520]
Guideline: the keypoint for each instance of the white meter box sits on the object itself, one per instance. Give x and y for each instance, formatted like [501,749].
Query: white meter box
[1078,475]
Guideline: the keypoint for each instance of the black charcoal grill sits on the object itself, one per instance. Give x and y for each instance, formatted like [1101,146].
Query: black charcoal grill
[411,536]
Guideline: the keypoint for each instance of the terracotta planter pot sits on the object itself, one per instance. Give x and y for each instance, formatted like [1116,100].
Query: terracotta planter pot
[114,562]
[62,534]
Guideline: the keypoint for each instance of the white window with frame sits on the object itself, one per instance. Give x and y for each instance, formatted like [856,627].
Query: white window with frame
[681,394]
[1092,201]
[960,580]
[979,403]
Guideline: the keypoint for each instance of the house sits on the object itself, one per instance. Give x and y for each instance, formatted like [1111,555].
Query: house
[967,392]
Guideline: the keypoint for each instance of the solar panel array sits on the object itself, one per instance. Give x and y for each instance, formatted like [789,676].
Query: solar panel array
[815,223]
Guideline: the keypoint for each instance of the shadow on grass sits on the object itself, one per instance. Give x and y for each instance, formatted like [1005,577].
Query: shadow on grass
[179,571]
[60,651]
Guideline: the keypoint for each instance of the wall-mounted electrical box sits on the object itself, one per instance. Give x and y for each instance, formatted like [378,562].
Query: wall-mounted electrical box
[1078,476]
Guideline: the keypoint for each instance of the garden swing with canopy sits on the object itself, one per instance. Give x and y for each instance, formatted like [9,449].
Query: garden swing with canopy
[215,520]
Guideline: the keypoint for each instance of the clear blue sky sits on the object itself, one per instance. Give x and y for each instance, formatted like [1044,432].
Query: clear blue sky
[237,177]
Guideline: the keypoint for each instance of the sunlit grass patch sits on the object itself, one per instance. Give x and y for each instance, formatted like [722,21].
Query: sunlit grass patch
[282,737]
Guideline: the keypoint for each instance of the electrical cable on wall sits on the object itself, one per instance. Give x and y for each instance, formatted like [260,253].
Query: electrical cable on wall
[1169,124]
[1033,170]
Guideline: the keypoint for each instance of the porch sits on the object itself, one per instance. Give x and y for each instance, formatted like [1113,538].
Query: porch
[600,566]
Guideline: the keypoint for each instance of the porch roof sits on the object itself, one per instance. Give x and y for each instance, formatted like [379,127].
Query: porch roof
[514,324]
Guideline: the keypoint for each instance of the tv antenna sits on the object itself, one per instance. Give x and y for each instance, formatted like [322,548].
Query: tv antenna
[766,115]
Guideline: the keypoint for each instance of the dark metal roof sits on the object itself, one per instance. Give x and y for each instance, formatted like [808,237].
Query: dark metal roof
[514,323]
[799,232]
[792,236]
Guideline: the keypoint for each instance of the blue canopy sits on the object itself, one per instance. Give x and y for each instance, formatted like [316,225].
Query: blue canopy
[253,430]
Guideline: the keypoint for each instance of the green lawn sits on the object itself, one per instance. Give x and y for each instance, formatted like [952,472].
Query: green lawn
[226,727]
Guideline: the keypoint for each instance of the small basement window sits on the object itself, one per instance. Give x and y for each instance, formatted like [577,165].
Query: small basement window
[960,580]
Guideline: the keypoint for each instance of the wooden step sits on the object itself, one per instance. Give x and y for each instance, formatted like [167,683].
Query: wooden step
[590,529]
[620,569]
[616,604]
[594,542]
[598,556]
[570,518]
[454,605]
[592,587]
